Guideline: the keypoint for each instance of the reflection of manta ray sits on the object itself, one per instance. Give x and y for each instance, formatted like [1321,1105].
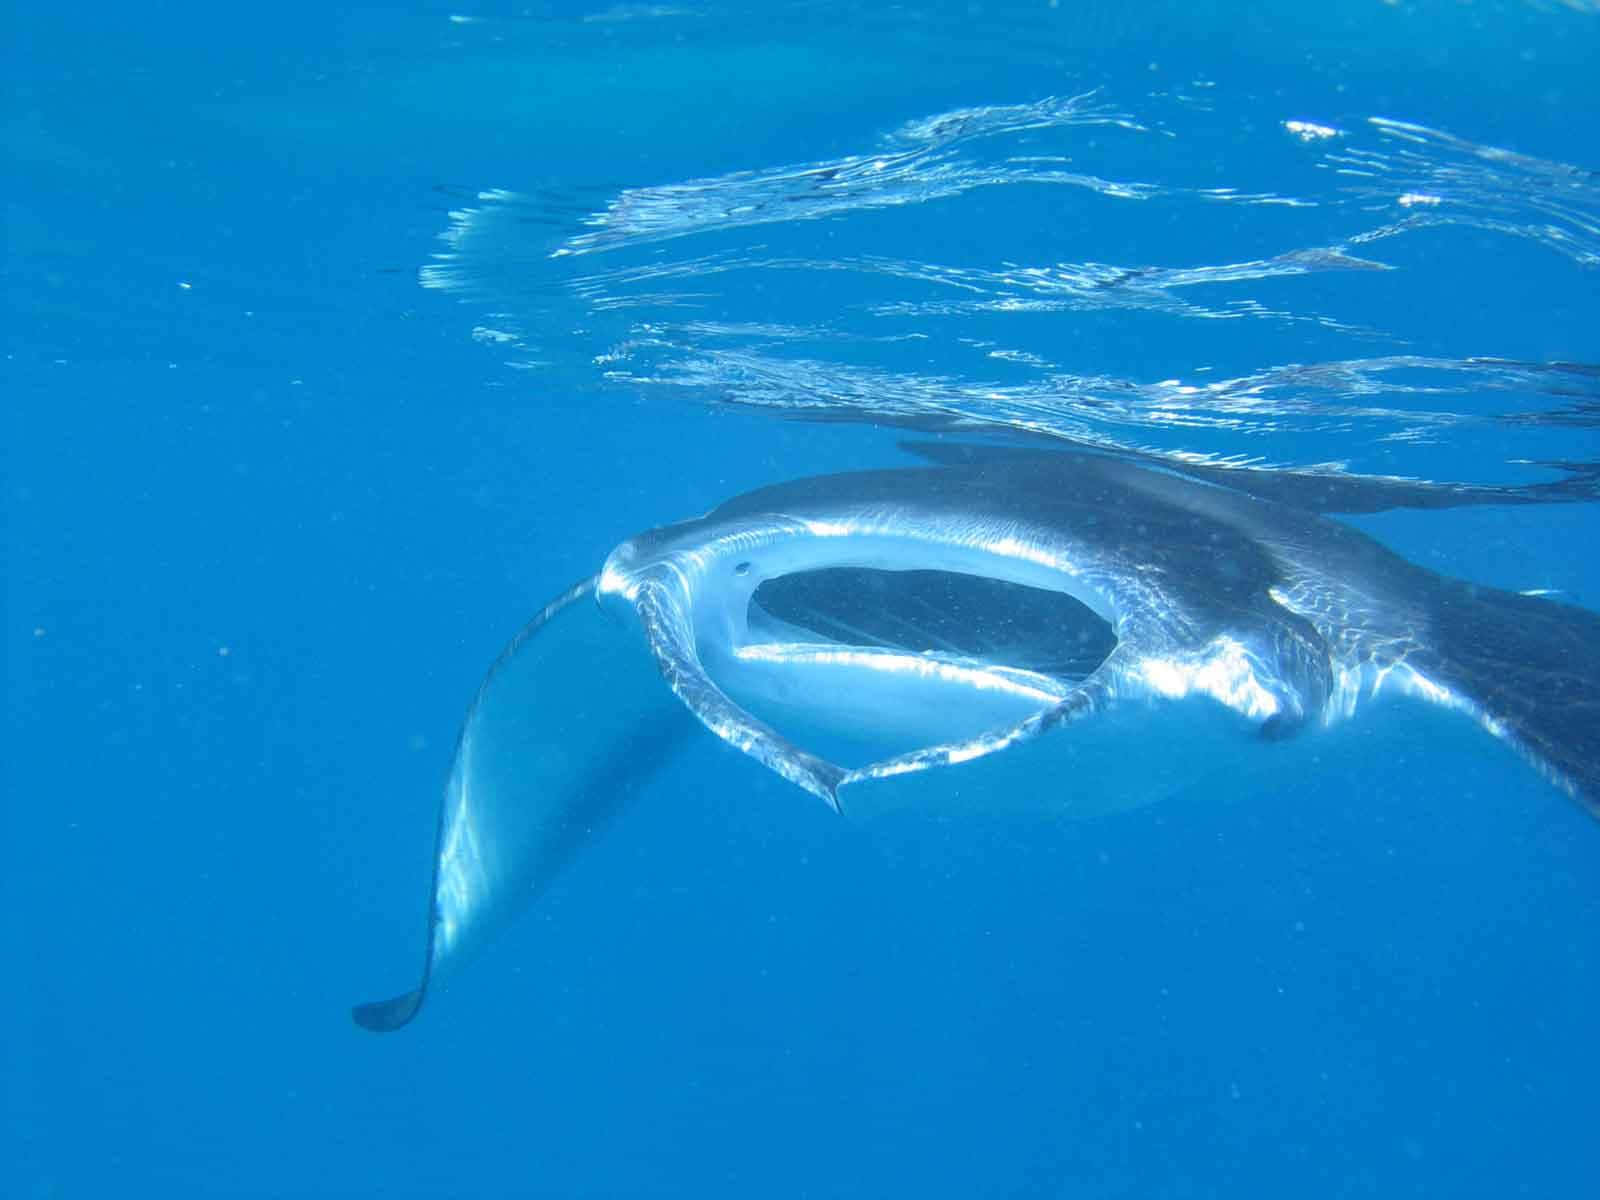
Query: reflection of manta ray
[852,629]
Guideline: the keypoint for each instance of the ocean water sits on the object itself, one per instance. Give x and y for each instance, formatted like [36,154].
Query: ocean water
[339,343]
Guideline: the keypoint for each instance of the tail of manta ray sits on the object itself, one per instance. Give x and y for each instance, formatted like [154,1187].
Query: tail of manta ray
[573,716]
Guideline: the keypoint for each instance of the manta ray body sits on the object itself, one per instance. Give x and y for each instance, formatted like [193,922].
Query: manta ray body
[847,631]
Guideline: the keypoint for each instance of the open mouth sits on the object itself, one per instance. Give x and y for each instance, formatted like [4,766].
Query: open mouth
[862,664]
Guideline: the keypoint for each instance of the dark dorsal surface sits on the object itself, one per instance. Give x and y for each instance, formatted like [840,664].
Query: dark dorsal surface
[1162,526]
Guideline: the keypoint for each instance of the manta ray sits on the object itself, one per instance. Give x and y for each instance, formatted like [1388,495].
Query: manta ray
[854,632]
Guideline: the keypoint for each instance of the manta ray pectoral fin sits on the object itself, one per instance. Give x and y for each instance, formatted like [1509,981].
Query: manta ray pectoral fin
[385,1016]
[1280,727]
[1529,670]
[569,720]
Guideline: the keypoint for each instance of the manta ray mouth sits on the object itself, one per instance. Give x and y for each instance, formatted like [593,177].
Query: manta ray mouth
[862,664]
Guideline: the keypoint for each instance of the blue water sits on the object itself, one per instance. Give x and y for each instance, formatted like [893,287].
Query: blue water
[271,508]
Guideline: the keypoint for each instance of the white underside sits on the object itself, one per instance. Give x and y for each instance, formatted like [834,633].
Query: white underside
[855,705]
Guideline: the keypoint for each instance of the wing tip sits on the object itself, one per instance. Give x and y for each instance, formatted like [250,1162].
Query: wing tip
[386,1016]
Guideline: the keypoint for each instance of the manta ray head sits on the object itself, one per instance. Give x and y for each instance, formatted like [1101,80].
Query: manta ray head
[835,649]
[848,635]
